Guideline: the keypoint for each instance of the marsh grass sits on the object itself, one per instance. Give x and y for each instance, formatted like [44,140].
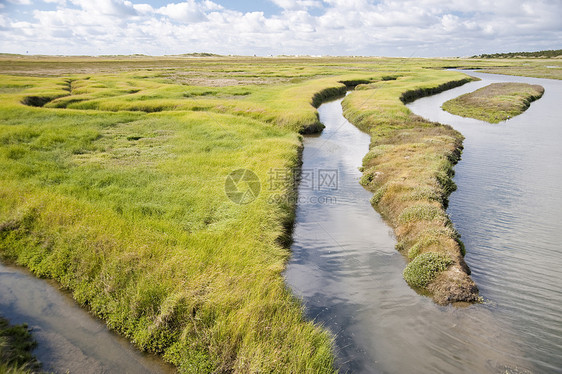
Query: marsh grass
[526,68]
[145,237]
[113,185]
[126,208]
[496,102]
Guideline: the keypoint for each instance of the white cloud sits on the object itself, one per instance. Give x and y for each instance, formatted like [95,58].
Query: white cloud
[387,27]
[450,22]
[209,5]
[188,11]
[145,9]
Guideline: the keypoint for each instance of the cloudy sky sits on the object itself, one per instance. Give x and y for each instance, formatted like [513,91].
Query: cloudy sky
[417,28]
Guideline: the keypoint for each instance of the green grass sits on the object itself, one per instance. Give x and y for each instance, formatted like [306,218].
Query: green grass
[549,69]
[16,346]
[496,102]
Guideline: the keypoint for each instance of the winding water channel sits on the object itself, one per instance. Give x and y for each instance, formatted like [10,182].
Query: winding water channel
[69,339]
[507,208]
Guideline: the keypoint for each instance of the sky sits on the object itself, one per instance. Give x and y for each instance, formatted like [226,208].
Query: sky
[409,28]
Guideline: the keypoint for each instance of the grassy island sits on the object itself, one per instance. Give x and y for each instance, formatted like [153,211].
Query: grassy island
[409,169]
[496,102]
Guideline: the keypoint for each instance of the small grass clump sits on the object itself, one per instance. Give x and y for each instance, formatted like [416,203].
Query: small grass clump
[16,346]
[420,212]
[425,243]
[424,268]
[496,102]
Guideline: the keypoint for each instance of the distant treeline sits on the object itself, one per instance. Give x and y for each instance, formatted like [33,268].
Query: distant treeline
[553,53]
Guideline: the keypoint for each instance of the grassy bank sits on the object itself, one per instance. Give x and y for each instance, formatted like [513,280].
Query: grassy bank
[409,169]
[496,102]
[16,346]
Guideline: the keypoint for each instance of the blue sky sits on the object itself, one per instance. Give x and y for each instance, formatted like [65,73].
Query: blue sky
[418,28]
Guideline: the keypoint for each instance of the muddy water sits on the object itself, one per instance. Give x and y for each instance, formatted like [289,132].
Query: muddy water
[70,340]
[349,276]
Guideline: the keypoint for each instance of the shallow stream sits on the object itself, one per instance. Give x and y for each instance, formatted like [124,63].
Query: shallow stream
[69,339]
